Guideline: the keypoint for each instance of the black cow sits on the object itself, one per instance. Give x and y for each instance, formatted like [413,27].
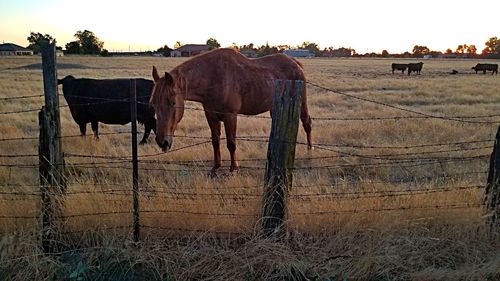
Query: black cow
[399,66]
[493,67]
[415,67]
[107,101]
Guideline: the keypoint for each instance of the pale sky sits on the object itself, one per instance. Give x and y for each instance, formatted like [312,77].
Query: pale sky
[365,25]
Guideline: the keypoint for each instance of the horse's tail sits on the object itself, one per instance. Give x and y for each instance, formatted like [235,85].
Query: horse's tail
[304,115]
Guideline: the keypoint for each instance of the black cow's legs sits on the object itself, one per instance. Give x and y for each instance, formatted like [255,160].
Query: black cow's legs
[95,128]
[83,128]
[148,126]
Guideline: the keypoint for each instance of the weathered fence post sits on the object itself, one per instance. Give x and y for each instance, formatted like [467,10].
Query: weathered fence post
[51,169]
[492,194]
[286,109]
[135,164]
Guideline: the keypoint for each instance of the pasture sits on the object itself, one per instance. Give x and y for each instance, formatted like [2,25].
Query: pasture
[385,194]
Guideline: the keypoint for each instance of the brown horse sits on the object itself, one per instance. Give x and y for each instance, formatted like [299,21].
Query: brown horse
[226,83]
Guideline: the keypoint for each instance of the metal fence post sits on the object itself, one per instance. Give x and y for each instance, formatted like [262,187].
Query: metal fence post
[135,164]
[286,109]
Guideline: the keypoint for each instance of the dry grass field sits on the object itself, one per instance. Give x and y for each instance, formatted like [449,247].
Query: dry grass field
[379,198]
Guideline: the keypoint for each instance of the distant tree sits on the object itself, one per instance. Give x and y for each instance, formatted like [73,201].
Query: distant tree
[234,46]
[420,51]
[385,53]
[347,52]
[265,50]
[471,49]
[449,51]
[281,48]
[165,50]
[86,43]
[178,44]
[435,54]
[91,45]
[492,47]
[312,47]
[250,46]
[104,53]
[36,38]
[73,47]
[212,44]
[461,49]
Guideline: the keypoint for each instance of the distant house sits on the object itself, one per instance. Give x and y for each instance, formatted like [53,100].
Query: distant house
[9,49]
[189,50]
[300,53]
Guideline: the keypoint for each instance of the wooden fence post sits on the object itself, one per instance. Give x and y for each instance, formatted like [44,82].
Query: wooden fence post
[135,164]
[51,166]
[287,102]
[492,193]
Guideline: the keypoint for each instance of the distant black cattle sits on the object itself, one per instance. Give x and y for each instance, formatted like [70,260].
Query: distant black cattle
[107,101]
[399,66]
[493,67]
[415,67]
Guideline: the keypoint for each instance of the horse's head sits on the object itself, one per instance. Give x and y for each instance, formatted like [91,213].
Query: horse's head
[167,100]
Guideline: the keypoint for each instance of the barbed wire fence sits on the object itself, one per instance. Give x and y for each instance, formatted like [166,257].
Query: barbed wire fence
[402,157]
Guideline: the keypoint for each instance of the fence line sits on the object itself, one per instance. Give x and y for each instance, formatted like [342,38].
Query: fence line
[417,161]
[398,160]
[464,205]
[21,97]
[400,108]
[154,193]
[458,205]
[421,115]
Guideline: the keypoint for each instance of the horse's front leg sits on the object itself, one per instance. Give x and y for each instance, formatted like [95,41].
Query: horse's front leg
[215,127]
[230,121]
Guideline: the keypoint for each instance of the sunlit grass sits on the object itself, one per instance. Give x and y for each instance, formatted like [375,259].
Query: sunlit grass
[339,197]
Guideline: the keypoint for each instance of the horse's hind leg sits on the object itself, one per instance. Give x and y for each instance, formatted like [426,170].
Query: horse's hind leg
[230,128]
[215,127]
[95,128]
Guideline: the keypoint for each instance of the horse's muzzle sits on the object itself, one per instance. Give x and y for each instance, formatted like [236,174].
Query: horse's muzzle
[164,143]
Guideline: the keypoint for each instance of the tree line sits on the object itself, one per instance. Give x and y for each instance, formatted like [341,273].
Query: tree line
[87,43]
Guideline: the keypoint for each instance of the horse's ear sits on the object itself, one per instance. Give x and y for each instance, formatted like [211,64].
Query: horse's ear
[156,77]
[169,79]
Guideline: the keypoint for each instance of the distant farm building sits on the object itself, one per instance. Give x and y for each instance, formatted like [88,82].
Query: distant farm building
[189,50]
[298,53]
[9,49]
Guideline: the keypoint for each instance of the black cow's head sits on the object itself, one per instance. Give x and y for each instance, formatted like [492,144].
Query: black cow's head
[67,78]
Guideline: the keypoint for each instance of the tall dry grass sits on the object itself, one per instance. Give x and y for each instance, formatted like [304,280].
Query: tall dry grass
[368,220]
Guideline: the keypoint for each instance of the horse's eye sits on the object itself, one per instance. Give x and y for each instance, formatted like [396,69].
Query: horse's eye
[173,103]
